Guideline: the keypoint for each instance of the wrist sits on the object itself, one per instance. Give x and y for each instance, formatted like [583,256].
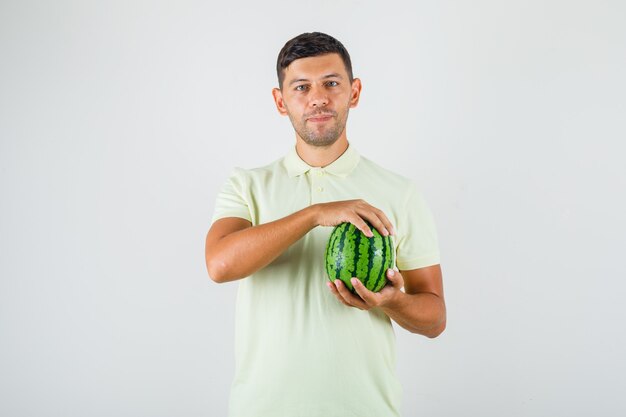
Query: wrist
[397,302]
[313,215]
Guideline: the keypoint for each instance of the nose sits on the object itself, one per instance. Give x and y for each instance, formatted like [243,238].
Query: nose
[318,98]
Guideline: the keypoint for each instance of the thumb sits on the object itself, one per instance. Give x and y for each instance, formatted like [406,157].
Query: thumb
[394,275]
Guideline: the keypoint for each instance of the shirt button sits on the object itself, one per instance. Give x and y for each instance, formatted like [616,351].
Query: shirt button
[320,189]
[320,173]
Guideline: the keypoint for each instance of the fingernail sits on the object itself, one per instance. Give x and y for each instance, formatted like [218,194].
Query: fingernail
[353,280]
[385,232]
[390,272]
[393,231]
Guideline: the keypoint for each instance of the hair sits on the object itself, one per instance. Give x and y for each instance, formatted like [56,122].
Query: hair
[310,44]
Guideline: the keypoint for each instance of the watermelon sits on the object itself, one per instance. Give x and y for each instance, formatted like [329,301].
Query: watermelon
[350,253]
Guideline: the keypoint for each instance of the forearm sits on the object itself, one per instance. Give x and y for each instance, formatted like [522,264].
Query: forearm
[244,252]
[422,313]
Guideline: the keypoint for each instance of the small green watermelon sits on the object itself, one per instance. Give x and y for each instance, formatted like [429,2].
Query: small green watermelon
[349,253]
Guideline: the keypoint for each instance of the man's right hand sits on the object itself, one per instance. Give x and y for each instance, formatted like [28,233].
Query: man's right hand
[355,212]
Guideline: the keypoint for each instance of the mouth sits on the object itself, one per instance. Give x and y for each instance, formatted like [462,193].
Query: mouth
[320,118]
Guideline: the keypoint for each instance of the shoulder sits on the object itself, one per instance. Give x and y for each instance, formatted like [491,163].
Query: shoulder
[375,172]
[261,173]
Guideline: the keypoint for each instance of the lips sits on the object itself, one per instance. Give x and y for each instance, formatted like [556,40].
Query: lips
[320,118]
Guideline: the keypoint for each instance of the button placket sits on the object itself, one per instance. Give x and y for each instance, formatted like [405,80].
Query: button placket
[317,182]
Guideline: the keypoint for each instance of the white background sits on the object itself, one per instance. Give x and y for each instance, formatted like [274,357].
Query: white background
[120,120]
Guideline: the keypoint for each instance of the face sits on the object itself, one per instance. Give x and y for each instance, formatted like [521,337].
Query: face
[317,95]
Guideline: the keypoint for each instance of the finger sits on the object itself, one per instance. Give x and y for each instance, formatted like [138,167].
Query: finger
[350,298]
[369,213]
[333,289]
[378,219]
[377,223]
[395,277]
[368,296]
[362,226]
[374,216]
[385,220]
[339,296]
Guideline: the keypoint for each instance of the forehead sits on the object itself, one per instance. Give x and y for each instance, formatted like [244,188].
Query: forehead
[315,66]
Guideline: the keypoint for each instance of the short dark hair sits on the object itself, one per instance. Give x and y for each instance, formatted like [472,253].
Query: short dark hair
[310,44]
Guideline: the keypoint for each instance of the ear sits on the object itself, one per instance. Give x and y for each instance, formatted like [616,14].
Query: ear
[278,99]
[356,92]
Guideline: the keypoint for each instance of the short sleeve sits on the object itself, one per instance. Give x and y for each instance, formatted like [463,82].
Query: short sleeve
[232,199]
[417,245]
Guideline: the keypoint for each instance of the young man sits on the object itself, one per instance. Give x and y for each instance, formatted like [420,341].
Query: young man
[304,346]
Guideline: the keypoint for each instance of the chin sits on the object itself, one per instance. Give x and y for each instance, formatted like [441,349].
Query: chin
[320,143]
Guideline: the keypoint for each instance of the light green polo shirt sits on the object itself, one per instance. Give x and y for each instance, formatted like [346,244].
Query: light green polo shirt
[299,352]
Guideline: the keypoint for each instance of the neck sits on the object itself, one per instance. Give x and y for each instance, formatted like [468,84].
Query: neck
[321,156]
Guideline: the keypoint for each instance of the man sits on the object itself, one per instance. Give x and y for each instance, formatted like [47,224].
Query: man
[303,349]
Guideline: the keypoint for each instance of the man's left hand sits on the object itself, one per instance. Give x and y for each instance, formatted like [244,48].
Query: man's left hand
[367,299]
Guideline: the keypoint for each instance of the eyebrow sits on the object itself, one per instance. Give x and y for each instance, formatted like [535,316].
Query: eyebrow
[334,74]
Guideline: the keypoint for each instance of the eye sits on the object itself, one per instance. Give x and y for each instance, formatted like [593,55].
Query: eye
[298,87]
[336,83]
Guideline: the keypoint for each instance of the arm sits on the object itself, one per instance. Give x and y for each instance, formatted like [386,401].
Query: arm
[235,249]
[420,308]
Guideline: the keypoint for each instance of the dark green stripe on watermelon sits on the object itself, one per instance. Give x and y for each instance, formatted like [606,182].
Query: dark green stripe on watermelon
[370,260]
[382,279]
[332,247]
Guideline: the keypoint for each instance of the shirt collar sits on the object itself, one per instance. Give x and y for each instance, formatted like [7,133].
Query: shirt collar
[341,166]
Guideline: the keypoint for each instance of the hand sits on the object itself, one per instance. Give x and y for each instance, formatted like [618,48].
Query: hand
[367,299]
[355,212]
